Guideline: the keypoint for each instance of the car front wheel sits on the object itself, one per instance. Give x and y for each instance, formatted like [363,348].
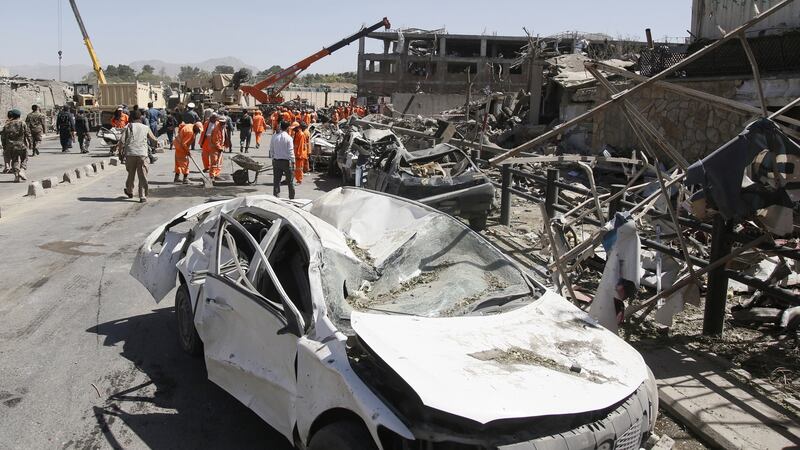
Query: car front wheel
[187,333]
[342,436]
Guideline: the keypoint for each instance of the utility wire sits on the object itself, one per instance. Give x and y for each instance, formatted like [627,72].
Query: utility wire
[60,39]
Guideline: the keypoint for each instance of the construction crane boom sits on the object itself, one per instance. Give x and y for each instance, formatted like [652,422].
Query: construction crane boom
[278,81]
[101,76]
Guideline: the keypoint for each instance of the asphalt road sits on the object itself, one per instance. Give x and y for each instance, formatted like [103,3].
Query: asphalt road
[87,358]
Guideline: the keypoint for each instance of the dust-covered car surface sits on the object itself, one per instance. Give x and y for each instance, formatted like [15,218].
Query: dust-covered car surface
[362,320]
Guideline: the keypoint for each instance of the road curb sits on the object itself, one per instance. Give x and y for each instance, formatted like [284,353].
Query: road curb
[70,177]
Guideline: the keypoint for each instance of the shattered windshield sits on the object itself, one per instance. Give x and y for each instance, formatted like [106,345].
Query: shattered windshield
[401,258]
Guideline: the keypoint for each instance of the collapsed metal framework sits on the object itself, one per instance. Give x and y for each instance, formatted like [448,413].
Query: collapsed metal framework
[647,134]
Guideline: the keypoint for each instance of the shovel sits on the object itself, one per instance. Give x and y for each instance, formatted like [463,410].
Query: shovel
[207,183]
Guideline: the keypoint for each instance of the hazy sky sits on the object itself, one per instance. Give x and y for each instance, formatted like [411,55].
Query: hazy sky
[261,35]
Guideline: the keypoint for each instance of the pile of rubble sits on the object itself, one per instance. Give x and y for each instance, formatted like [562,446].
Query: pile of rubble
[22,93]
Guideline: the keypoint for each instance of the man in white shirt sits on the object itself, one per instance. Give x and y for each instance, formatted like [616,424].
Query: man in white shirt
[281,150]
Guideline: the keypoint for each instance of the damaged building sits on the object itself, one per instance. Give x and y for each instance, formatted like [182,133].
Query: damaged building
[696,127]
[22,93]
[443,66]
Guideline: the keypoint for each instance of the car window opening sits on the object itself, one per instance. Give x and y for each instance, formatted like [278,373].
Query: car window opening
[289,262]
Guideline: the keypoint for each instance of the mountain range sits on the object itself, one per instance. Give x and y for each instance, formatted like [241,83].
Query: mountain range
[75,72]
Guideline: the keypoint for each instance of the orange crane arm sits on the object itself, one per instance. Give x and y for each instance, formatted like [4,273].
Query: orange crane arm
[279,80]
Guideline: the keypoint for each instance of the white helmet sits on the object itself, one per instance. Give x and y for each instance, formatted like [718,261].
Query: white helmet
[190,105]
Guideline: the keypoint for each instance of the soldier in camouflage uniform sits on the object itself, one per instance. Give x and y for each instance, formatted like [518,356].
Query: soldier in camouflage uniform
[16,138]
[37,124]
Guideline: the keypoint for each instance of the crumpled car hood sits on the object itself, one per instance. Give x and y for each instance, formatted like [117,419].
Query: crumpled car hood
[546,358]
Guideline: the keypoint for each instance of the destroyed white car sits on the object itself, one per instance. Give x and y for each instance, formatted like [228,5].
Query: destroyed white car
[362,320]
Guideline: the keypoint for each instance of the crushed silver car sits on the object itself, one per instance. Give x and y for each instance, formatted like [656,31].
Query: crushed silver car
[366,321]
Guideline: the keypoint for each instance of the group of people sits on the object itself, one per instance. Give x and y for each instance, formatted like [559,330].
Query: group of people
[18,136]
[141,128]
[344,112]
[73,125]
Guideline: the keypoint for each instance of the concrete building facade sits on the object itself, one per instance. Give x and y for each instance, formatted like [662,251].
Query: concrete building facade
[438,63]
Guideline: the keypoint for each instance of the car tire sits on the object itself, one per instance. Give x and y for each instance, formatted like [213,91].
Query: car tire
[187,333]
[348,435]
[478,223]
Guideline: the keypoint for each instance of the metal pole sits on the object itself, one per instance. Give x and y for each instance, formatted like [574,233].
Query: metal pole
[714,317]
[550,191]
[615,205]
[562,272]
[505,195]
[751,58]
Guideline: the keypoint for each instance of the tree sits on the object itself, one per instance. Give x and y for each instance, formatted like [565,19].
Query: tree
[240,77]
[126,73]
[224,69]
[188,72]
[267,72]
[318,78]
[147,68]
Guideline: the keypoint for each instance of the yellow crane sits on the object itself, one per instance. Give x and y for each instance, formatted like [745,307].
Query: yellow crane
[101,76]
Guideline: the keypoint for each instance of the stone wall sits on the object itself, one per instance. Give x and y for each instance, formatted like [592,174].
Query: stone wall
[427,104]
[695,128]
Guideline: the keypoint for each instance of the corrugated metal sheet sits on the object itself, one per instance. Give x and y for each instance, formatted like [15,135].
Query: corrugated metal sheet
[729,14]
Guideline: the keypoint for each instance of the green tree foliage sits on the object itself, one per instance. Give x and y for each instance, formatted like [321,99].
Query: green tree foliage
[126,74]
[319,78]
[114,74]
[267,72]
[241,77]
[188,72]
[224,69]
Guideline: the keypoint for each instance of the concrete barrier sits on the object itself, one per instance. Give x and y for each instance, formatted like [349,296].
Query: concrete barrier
[35,189]
[50,182]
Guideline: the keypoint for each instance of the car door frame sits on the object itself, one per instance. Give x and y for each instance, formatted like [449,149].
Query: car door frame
[223,371]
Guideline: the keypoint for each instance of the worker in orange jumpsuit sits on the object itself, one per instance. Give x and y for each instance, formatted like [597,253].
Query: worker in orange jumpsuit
[212,142]
[307,117]
[287,116]
[300,150]
[259,126]
[274,121]
[220,140]
[120,119]
[183,142]
[307,132]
